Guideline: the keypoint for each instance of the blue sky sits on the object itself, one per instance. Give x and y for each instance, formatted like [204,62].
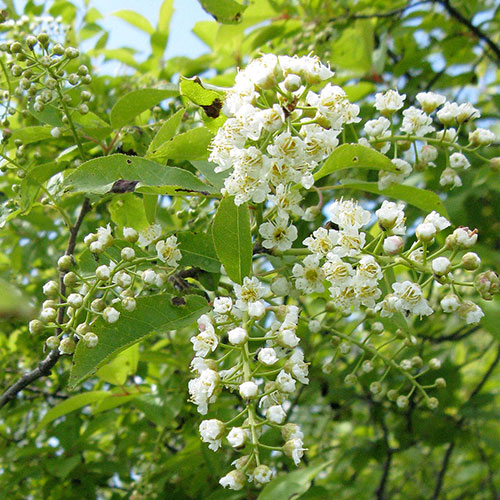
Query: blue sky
[181,42]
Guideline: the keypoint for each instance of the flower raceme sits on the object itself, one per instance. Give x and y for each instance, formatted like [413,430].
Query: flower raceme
[261,364]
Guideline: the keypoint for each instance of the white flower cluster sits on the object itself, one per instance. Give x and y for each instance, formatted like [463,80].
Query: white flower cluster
[278,130]
[352,266]
[417,124]
[262,369]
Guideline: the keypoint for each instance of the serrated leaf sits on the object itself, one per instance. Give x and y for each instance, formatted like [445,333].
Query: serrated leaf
[135,19]
[29,135]
[207,169]
[100,174]
[210,100]
[138,101]
[191,145]
[71,404]
[354,156]
[166,132]
[198,250]
[224,11]
[420,198]
[233,238]
[155,313]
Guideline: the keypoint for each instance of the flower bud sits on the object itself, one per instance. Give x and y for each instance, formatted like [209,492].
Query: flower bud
[123,279]
[90,340]
[97,305]
[440,383]
[52,342]
[393,245]
[55,132]
[294,450]
[51,289]
[292,82]
[248,390]
[103,273]
[432,403]
[487,284]
[441,266]
[237,437]
[425,232]
[435,364]
[471,261]
[237,336]
[90,238]
[96,247]
[130,234]
[392,395]
[416,362]
[48,314]
[450,303]
[75,300]
[67,346]
[58,49]
[267,356]
[149,277]
[70,279]
[402,402]
[127,253]
[129,304]
[110,315]
[35,326]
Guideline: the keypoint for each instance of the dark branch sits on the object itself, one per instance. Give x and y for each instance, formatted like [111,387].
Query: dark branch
[442,471]
[453,12]
[451,446]
[44,367]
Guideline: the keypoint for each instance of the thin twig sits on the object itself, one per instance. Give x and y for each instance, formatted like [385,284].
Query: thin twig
[45,366]
[453,12]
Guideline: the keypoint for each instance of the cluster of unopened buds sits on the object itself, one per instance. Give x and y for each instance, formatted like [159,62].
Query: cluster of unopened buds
[111,289]
[260,361]
[45,72]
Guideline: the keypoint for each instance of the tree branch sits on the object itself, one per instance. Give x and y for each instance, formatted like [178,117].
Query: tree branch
[451,446]
[453,12]
[442,471]
[44,367]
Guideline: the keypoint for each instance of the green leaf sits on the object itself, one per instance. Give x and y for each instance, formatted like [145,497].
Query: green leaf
[209,100]
[127,210]
[420,198]
[160,409]
[120,367]
[138,101]
[207,169]
[354,156]
[198,251]
[29,135]
[224,11]
[98,176]
[155,313]
[62,466]
[135,19]
[233,239]
[292,485]
[166,132]
[191,145]
[71,404]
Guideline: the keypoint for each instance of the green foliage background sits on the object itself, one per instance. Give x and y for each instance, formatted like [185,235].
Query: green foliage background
[129,428]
